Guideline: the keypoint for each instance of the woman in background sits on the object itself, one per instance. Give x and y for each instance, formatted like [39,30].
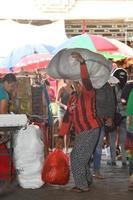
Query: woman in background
[62,99]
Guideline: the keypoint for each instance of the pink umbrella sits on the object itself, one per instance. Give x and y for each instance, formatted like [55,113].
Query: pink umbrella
[3,70]
[102,44]
[32,62]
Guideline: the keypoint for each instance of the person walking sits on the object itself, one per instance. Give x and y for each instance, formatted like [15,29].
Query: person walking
[120,133]
[105,107]
[129,113]
[81,112]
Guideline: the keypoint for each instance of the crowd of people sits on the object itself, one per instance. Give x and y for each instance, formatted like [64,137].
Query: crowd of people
[93,113]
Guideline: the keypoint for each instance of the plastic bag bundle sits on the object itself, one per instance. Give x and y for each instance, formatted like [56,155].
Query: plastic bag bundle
[64,66]
[29,156]
[56,168]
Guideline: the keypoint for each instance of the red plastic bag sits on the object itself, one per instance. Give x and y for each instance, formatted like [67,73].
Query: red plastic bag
[56,168]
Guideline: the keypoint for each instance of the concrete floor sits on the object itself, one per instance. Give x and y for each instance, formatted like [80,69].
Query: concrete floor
[113,187]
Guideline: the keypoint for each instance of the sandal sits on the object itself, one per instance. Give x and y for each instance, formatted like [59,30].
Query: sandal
[130,187]
[79,190]
[98,176]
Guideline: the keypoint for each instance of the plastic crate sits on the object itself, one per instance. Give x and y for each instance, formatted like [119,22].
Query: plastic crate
[7,170]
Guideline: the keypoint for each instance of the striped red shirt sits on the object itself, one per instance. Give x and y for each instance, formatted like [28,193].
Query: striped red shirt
[81,111]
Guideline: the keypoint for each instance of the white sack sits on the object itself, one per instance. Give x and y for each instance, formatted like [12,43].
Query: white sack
[64,66]
[29,156]
[52,68]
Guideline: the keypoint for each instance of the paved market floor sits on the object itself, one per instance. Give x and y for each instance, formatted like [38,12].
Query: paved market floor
[113,187]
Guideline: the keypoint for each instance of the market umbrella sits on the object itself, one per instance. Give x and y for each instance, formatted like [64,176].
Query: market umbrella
[32,62]
[123,49]
[29,49]
[3,70]
[113,56]
[94,43]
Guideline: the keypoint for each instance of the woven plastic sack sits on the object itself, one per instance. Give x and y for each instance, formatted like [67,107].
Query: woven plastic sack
[98,66]
[52,68]
[56,168]
[29,156]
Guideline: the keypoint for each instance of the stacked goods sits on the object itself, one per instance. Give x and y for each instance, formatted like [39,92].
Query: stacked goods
[24,95]
[30,99]
[37,101]
[64,66]
[39,104]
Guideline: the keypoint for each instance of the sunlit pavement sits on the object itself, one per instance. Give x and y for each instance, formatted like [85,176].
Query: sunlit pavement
[113,187]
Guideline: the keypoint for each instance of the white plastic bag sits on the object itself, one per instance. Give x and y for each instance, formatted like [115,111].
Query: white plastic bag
[29,156]
[98,66]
